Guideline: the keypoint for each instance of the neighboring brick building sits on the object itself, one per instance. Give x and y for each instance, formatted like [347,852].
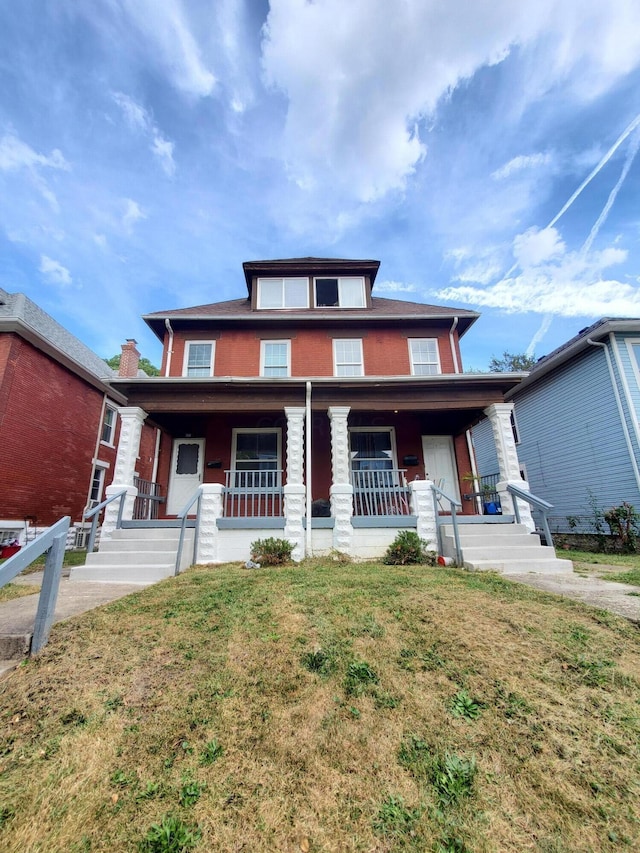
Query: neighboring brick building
[58,421]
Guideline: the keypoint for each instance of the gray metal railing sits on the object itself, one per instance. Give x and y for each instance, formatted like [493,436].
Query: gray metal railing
[439,495]
[95,513]
[537,503]
[196,497]
[380,492]
[148,501]
[53,541]
[253,494]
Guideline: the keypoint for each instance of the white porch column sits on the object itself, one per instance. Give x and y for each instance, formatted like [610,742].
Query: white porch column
[131,420]
[423,507]
[341,491]
[499,415]
[210,511]
[295,443]
[294,491]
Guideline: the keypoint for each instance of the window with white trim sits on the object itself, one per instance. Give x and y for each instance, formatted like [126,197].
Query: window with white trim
[424,355]
[198,358]
[256,458]
[341,292]
[347,357]
[275,358]
[97,485]
[108,434]
[283,293]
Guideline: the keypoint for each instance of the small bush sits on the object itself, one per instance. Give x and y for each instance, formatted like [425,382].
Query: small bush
[409,549]
[271,552]
[453,778]
[624,523]
[169,836]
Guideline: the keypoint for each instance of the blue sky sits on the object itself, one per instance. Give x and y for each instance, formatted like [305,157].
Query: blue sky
[483,150]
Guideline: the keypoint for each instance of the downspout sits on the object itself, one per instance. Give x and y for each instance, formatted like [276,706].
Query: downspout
[95,454]
[474,469]
[156,456]
[616,393]
[307,427]
[454,351]
[167,367]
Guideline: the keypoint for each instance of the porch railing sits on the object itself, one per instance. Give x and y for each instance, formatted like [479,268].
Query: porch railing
[148,502]
[380,492]
[486,491]
[94,514]
[183,515]
[438,497]
[253,494]
[535,503]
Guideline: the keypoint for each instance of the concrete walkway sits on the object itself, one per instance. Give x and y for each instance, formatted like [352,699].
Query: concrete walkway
[18,615]
[620,598]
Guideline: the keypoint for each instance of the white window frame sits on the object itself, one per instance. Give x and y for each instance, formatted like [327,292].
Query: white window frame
[101,469]
[187,350]
[343,363]
[263,358]
[341,300]
[110,440]
[635,360]
[282,280]
[417,364]
[392,439]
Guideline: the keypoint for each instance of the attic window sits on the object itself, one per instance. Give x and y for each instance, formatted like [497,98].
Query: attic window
[283,293]
[343,292]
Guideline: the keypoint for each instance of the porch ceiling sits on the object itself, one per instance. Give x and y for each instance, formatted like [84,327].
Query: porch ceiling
[464,394]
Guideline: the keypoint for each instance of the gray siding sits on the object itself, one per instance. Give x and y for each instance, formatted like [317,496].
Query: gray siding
[571,438]
[485,448]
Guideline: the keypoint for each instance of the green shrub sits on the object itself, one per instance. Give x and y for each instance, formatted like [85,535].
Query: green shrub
[624,522]
[171,835]
[408,549]
[271,552]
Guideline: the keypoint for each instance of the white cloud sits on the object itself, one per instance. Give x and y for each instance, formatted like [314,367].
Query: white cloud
[167,38]
[394,287]
[139,119]
[521,163]
[355,101]
[54,271]
[537,246]
[557,282]
[15,155]
[133,213]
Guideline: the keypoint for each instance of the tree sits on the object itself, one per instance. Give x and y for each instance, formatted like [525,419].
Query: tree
[143,364]
[511,363]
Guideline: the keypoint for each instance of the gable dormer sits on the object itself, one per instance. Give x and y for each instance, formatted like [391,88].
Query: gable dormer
[310,283]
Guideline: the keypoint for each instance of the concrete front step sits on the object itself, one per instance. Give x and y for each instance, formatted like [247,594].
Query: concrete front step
[123,546]
[172,533]
[132,558]
[139,574]
[508,548]
[515,566]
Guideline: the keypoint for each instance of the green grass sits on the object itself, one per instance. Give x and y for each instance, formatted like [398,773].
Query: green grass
[583,559]
[325,707]
[14,590]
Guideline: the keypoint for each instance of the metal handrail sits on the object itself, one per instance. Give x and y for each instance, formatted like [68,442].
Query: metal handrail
[53,541]
[196,496]
[453,503]
[94,513]
[538,503]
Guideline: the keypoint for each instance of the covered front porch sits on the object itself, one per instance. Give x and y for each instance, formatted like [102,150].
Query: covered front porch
[330,465]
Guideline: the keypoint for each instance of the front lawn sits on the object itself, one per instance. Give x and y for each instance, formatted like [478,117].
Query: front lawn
[584,560]
[326,707]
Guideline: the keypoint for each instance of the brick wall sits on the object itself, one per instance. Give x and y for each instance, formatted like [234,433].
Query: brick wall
[49,420]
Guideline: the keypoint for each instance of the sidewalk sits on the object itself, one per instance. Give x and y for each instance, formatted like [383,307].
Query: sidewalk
[17,616]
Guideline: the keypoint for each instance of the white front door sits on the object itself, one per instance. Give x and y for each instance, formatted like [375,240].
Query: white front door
[440,463]
[187,465]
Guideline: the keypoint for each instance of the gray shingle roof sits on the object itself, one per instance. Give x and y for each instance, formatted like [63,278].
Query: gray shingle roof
[16,308]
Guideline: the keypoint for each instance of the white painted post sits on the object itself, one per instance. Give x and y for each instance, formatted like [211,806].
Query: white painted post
[131,420]
[422,506]
[499,415]
[295,443]
[341,491]
[210,511]
[294,503]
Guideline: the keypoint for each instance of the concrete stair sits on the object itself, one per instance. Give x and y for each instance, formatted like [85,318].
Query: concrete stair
[141,555]
[505,548]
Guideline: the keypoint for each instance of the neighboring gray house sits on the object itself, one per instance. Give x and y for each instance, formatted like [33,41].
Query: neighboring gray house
[576,423]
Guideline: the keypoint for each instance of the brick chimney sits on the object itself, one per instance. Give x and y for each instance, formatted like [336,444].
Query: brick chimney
[129,359]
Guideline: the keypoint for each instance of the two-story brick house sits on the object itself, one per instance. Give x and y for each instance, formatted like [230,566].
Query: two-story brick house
[314,407]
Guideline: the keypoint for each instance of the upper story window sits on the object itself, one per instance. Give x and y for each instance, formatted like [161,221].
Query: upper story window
[108,433]
[425,359]
[347,357]
[275,358]
[283,293]
[342,292]
[198,358]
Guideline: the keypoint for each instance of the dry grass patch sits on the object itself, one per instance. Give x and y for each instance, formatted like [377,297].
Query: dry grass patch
[17,590]
[326,708]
